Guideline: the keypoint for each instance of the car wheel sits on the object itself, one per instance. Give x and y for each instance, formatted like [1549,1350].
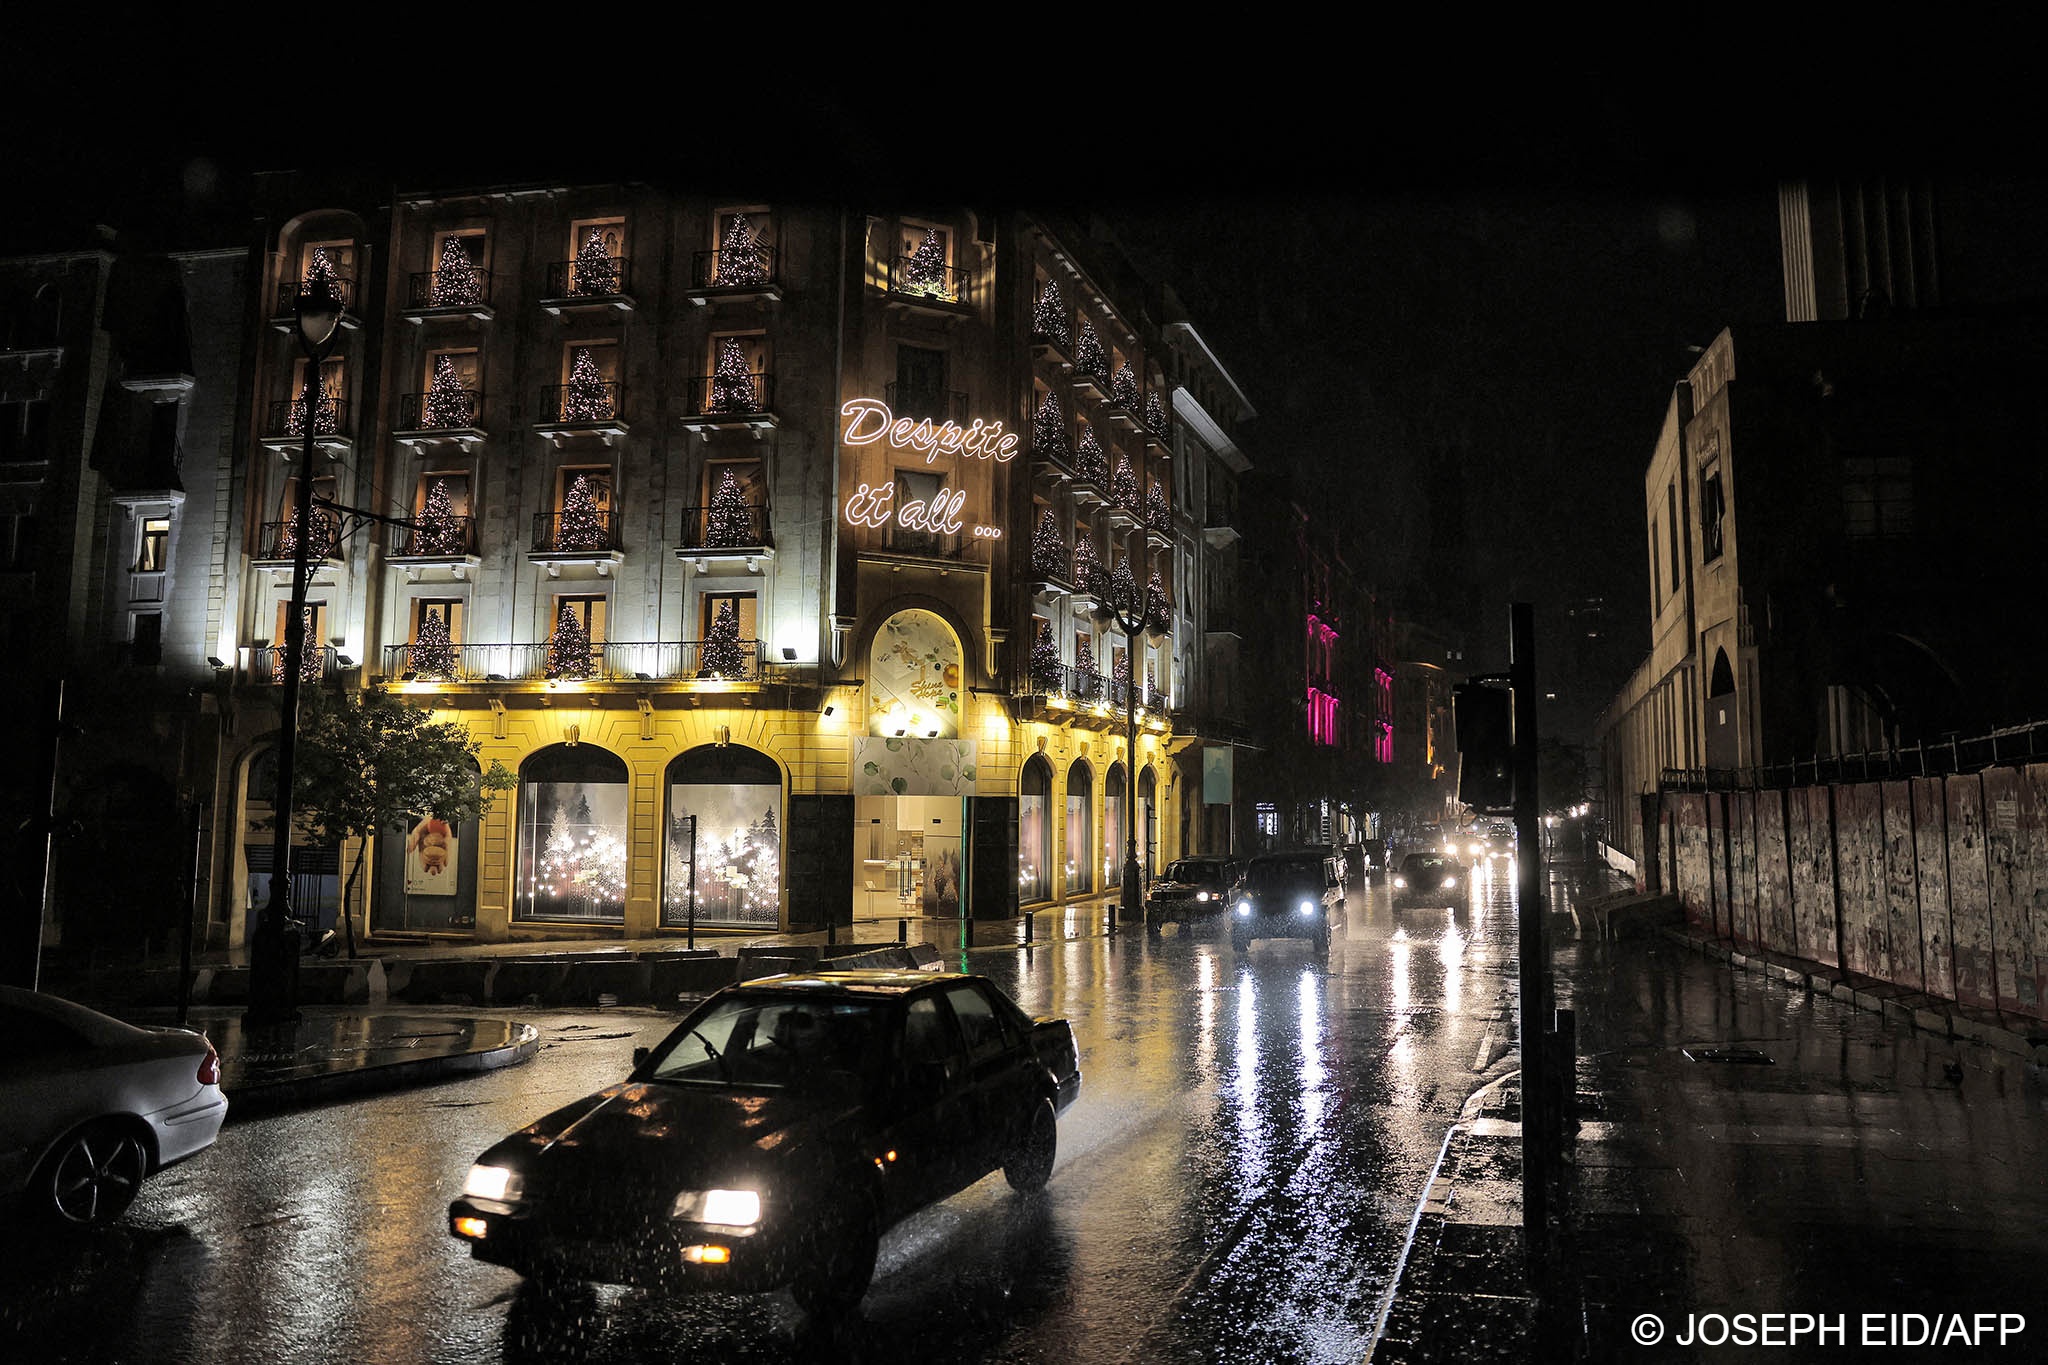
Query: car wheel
[1030,1166]
[836,1280]
[93,1176]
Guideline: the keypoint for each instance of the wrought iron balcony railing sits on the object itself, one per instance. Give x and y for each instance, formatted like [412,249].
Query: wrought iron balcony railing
[288,292]
[449,537]
[276,540]
[318,664]
[288,417]
[590,279]
[753,268]
[592,405]
[699,532]
[939,405]
[940,284]
[716,396]
[449,289]
[415,415]
[593,533]
[664,661]
[1085,686]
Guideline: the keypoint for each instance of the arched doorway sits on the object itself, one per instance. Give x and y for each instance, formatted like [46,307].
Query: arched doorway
[1114,788]
[913,773]
[1034,831]
[1148,821]
[1722,749]
[1080,828]
[723,838]
[426,876]
[572,836]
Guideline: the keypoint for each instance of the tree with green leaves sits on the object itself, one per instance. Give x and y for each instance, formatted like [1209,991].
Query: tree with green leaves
[368,763]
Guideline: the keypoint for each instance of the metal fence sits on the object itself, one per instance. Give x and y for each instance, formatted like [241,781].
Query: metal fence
[2014,744]
[608,661]
[413,414]
[697,532]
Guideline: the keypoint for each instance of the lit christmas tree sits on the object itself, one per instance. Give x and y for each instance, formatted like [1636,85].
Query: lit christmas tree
[448,403]
[1087,568]
[1158,611]
[589,398]
[555,876]
[1158,512]
[1155,416]
[325,408]
[456,283]
[739,255]
[433,653]
[569,646]
[1120,670]
[1122,594]
[723,657]
[437,530]
[730,521]
[321,271]
[1089,357]
[924,270]
[1045,659]
[1049,319]
[312,659]
[597,267]
[1124,487]
[1123,388]
[732,388]
[320,541]
[1049,430]
[583,525]
[1090,464]
[1048,554]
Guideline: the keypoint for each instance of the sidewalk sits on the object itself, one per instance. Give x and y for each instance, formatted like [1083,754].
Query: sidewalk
[1745,1145]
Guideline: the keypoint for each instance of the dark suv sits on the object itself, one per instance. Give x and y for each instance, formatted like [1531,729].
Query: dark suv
[1288,895]
[1192,889]
[1427,879]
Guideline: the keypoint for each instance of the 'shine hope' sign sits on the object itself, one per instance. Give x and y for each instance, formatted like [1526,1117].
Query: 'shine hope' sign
[870,420]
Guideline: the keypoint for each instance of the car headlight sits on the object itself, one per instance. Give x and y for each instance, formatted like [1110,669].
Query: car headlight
[1475,850]
[1307,907]
[1244,907]
[500,1183]
[726,1208]
[1450,881]
[1201,895]
[1400,881]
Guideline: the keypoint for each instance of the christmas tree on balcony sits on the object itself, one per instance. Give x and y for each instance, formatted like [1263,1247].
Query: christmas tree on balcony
[320,536]
[312,659]
[1087,567]
[569,646]
[730,521]
[582,525]
[1155,415]
[1158,512]
[1047,552]
[456,283]
[597,267]
[1123,389]
[1158,611]
[1045,659]
[723,657]
[437,530]
[325,408]
[1124,486]
[1122,594]
[448,403]
[732,388]
[1049,319]
[1089,357]
[320,272]
[1049,430]
[1120,670]
[433,653]
[924,270]
[739,256]
[589,398]
[1090,464]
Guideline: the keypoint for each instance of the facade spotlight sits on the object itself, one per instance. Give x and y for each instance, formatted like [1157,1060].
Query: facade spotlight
[789,654]
[829,710]
[214,663]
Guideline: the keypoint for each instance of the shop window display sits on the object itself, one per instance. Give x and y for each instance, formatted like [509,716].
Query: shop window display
[572,836]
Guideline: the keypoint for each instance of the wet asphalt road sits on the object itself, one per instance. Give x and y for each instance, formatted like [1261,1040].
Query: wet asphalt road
[1234,1184]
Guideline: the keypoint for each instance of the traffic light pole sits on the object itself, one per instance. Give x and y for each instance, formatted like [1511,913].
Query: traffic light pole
[1539,1122]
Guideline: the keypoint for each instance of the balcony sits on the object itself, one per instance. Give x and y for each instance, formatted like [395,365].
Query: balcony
[949,294]
[286,319]
[439,543]
[266,665]
[284,428]
[1158,430]
[1083,695]
[922,404]
[1124,401]
[713,552]
[1158,519]
[557,425]
[442,295]
[708,408]
[1092,383]
[579,287]
[418,427]
[556,548]
[276,544]
[718,277]
[1219,527]
[1058,355]
[675,661]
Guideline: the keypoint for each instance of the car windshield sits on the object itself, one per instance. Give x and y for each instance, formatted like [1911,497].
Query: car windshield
[1198,873]
[1416,865]
[1278,877]
[774,1040]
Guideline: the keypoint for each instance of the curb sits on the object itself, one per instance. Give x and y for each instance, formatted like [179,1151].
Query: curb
[305,1091]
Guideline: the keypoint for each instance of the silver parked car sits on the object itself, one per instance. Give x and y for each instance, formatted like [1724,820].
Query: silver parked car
[89,1106]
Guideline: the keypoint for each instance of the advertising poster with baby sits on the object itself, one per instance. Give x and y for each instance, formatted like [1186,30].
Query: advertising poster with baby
[430,858]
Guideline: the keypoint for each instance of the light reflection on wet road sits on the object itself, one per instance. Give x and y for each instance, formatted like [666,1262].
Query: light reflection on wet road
[1233,1185]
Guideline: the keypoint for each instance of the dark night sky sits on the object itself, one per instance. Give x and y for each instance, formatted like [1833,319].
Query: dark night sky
[1479,296]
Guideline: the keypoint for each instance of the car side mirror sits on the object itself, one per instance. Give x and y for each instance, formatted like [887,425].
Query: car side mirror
[640,1056]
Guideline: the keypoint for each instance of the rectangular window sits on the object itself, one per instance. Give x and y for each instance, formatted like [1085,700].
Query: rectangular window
[742,249]
[447,613]
[323,487]
[596,482]
[1656,592]
[146,639]
[467,363]
[316,640]
[1877,497]
[743,610]
[1711,508]
[736,374]
[469,243]
[918,505]
[1671,520]
[154,546]
[454,491]
[920,388]
[597,246]
[590,613]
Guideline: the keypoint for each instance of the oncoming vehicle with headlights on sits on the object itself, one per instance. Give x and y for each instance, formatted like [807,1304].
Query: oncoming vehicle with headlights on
[775,1134]
[1192,889]
[1427,879]
[1288,895]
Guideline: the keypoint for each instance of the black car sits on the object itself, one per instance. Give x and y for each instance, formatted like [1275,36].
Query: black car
[1427,879]
[1288,895]
[1192,889]
[773,1137]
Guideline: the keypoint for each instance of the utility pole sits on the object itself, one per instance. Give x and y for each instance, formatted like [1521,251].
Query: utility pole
[1539,1122]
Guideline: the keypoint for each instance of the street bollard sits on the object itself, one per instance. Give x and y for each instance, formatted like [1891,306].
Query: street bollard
[1027,926]
[902,931]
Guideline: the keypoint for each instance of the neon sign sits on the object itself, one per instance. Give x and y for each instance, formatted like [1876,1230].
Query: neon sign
[870,420]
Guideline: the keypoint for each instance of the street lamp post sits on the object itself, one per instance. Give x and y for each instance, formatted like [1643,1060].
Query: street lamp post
[1130,615]
[274,955]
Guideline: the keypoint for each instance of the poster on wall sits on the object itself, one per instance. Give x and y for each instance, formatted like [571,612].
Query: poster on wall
[432,851]
[913,767]
[914,677]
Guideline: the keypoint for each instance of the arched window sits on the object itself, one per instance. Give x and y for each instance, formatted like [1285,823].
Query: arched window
[1113,789]
[1034,832]
[1148,820]
[572,836]
[426,878]
[1080,826]
[724,838]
